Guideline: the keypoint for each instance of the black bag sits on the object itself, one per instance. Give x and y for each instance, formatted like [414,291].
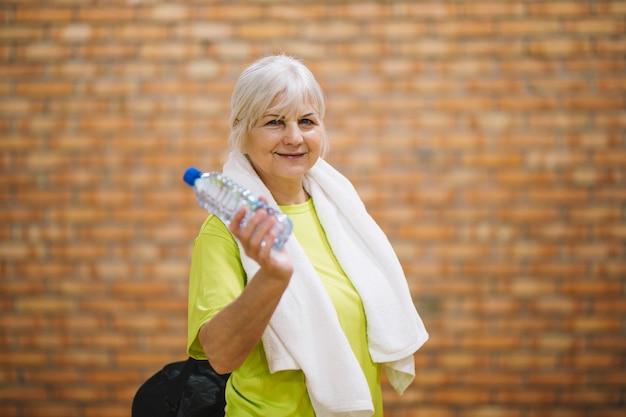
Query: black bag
[188,388]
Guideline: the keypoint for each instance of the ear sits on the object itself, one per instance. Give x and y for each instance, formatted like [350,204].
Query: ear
[242,146]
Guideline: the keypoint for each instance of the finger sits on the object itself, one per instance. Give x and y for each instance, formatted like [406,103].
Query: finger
[263,224]
[235,221]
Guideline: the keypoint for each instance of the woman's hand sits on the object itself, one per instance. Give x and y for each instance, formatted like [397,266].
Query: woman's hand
[257,240]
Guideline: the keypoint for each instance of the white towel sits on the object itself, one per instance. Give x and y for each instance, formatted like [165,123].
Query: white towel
[304,332]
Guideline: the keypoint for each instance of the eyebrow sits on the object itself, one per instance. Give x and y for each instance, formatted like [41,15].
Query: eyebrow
[282,116]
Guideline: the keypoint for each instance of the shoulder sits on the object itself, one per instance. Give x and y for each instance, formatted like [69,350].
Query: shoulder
[213,225]
[215,234]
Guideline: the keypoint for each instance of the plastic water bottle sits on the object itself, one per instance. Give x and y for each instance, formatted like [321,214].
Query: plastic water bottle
[223,197]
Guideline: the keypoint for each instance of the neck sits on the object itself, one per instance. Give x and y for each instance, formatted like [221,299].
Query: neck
[285,192]
[287,196]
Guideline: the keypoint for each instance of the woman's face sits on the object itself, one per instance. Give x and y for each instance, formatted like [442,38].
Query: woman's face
[283,147]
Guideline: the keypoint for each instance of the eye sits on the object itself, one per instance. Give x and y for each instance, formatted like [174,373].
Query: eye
[307,122]
[274,122]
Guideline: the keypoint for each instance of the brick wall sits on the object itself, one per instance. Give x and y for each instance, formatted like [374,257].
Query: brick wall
[487,138]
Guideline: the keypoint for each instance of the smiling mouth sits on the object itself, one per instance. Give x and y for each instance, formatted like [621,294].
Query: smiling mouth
[290,155]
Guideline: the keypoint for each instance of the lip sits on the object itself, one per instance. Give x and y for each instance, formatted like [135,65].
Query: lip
[290,155]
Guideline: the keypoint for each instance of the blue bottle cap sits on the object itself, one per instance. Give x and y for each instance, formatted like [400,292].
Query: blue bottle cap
[191,175]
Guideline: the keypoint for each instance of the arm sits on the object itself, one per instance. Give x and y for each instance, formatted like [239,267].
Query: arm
[229,337]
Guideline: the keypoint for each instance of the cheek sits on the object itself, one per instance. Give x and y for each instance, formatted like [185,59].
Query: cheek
[317,141]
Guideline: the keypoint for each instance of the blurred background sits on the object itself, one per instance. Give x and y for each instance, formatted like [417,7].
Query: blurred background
[486,137]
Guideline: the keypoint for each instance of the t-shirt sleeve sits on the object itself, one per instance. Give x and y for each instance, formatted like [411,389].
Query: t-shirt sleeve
[216,277]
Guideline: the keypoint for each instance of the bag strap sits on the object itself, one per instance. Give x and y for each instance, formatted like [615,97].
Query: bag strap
[173,399]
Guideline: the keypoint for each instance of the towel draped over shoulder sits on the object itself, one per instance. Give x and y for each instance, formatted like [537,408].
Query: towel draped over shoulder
[304,332]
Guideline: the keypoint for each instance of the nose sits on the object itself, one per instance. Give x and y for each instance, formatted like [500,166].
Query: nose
[293,133]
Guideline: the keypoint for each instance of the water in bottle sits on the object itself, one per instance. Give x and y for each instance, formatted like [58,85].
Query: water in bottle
[223,197]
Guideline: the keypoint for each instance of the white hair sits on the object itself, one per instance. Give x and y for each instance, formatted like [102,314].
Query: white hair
[261,83]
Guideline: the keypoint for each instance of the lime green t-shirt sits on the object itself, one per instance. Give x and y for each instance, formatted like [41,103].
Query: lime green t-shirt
[217,278]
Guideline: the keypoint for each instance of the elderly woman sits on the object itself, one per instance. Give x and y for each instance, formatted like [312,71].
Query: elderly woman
[305,330]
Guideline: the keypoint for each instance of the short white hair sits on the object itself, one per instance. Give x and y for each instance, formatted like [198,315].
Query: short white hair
[261,83]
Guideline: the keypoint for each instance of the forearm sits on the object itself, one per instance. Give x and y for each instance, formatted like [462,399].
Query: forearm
[229,337]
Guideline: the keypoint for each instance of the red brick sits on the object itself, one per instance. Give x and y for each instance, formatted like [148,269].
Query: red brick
[47,341]
[137,360]
[45,270]
[23,394]
[47,14]
[559,47]
[23,70]
[493,343]
[551,305]
[528,65]
[42,51]
[526,396]
[561,8]
[560,85]
[20,32]
[528,27]
[610,46]
[599,215]
[465,396]
[499,379]
[557,412]
[8,410]
[558,196]
[463,28]
[612,7]
[560,232]
[57,376]
[242,12]
[529,287]
[597,324]
[526,214]
[98,14]
[106,411]
[167,12]
[51,410]
[600,397]
[495,8]
[492,411]
[417,410]
[598,26]
[609,411]
[596,287]
[614,378]
[601,65]
[81,358]
[557,342]
[44,305]
[526,178]
[528,103]
[426,10]
[21,287]
[395,30]
[80,394]
[612,231]
[105,377]
[167,343]
[559,269]
[607,194]
[22,360]
[485,137]
[21,107]
[603,102]
[528,361]
[106,52]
